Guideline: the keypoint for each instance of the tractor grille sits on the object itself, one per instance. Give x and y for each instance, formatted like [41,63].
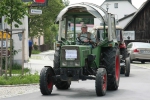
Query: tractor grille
[70,62]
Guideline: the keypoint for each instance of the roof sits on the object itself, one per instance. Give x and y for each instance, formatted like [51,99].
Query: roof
[120,0]
[139,10]
[127,16]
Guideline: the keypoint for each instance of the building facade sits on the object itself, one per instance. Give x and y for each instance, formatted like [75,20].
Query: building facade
[120,8]
[17,41]
[140,23]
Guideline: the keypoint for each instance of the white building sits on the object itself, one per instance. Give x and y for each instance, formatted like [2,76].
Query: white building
[16,41]
[120,8]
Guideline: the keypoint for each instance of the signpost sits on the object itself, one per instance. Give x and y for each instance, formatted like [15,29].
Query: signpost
[35,11]
[39,1]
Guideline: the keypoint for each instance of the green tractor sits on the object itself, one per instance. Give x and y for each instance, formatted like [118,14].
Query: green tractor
[73,62]
[124,58]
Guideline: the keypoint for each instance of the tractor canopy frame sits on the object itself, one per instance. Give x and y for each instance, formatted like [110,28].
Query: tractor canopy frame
[86,10]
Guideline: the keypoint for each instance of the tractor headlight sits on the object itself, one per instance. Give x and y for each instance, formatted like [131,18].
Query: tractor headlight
[77,63]
[64,63]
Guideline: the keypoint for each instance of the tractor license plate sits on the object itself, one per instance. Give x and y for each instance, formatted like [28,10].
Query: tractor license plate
[71,54]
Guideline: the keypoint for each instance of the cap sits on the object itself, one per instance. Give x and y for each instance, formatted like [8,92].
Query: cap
[83,25]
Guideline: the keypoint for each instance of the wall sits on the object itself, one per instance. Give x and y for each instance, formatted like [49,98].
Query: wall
[17,43]
[39,40]
[124,8]
[141,23]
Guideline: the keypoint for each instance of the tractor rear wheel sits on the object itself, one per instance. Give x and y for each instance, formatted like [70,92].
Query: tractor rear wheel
[101,82]
[62,85]
[46,81]
[127,68]
[112,63]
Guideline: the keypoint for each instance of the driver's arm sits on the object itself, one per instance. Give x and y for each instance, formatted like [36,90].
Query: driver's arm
[93,39]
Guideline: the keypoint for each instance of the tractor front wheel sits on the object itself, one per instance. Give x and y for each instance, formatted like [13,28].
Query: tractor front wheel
[101,82]
[46,81]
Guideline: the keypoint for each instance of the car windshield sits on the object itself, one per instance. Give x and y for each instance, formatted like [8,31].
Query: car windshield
[142,45]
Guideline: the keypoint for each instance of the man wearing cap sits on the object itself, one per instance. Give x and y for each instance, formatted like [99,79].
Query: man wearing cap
[86,36]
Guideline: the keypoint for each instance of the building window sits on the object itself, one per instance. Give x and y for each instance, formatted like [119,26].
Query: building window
[115,5]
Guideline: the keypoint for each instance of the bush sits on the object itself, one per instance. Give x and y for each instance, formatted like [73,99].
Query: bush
[16,66]
[35,47]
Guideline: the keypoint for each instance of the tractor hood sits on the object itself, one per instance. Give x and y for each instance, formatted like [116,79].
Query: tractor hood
[93,10]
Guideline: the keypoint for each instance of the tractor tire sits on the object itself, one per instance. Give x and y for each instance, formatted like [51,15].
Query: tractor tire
[57,62]
[122,71]
[127,68]
[101,82]
[131,61]
[112,62]
[123,52]
[62,85]
[143,62]
[46,81]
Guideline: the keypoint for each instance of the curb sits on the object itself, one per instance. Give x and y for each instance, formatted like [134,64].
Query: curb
[18,85]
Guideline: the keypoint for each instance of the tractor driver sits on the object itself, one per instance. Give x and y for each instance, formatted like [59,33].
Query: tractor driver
[85,36]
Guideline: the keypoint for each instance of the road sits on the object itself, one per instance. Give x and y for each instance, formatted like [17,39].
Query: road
[135,87]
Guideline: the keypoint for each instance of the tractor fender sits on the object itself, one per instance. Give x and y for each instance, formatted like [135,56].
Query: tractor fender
[51,69]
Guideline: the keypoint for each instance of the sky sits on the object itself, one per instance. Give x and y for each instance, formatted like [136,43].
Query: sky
[136,3]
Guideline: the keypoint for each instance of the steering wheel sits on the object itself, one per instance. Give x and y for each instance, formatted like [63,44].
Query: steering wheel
[82,42]
[86,43]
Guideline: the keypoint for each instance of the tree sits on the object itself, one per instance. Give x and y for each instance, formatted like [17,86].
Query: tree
[13,10]
[50,35]
[66,2]
[44,23]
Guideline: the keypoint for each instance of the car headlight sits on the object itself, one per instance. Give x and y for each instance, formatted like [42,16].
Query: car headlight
[64,63]
[77,63]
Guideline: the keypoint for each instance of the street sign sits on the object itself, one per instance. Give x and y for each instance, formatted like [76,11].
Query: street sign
[39,1]
[35,11]
[4,43]
[4,35]
[129,35]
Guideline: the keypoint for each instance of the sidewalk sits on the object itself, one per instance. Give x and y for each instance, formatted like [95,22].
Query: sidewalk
[38,61]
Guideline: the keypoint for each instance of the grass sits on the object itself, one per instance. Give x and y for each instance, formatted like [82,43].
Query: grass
[35,51]
[17,78]
[15,71]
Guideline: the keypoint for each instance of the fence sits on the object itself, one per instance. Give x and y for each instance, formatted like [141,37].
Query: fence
[45,47]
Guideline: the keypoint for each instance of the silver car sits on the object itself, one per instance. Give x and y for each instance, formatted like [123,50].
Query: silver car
[139,51]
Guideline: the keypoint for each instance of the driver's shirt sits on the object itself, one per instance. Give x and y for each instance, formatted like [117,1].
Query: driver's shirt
[84,36]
